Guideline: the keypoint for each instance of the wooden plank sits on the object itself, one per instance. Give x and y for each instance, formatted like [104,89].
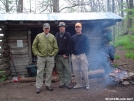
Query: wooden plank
[17,37]
[20,73]
[15,40]
[20,56]
[17,29]
[18,69]
[20,61]
[19,50]
[18,33]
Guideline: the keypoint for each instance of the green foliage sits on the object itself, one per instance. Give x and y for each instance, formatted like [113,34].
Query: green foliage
[4,77]
[116,57]
[127,43]
[130,55]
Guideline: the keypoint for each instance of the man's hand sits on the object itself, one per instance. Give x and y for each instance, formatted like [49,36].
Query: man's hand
[64,56]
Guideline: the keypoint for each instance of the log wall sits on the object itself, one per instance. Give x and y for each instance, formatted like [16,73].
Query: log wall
[20,56]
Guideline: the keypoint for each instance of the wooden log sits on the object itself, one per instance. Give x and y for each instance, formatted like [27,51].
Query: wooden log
[98,71]
[13,29]
[19,51]
[20,35]
[31,79]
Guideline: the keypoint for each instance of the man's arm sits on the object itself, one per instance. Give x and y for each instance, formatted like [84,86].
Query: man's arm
[111,52]
[55,46]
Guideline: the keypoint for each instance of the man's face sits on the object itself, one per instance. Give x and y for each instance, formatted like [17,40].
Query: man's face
[78,29]
[62,29]
[46,30]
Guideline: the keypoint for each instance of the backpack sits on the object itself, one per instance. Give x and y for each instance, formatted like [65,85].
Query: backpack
[32,70]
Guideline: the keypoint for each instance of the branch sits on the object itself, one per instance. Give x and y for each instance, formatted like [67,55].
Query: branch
[3,2]
[46,7]
[67,7]
[72,6]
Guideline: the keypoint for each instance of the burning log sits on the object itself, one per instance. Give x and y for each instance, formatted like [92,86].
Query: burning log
[31,79]
[98,71]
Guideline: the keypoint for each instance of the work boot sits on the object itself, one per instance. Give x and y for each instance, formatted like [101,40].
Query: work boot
[61,86]
[49,88]
[69,86]
[38,90]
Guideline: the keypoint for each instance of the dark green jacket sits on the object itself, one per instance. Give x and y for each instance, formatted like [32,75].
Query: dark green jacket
[45,46]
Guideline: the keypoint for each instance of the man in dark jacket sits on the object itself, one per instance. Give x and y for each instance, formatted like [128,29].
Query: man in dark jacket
[106,54]
[62,58]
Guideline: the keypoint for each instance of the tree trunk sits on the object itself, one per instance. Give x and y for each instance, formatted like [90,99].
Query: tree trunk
[55,5]
[20,6]
[129,14]
[122,15]
[108,5]
[7,6]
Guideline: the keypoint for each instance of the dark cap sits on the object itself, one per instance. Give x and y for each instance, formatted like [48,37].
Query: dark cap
[62,24]
[46,25]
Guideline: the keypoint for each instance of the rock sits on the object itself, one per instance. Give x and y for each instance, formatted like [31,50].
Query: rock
[126,83]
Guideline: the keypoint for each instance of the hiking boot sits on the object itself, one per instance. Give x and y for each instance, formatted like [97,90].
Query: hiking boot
[61,86]
[49,88]
[38,90]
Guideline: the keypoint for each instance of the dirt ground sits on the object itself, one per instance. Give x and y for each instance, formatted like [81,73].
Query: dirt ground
[97,92]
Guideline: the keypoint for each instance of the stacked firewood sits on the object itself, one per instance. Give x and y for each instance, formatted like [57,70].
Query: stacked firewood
[5,56]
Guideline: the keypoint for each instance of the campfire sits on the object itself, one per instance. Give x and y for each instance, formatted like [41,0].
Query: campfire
[120,75]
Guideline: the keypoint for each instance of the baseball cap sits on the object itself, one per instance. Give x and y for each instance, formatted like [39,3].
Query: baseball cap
[46,25]
[78,24]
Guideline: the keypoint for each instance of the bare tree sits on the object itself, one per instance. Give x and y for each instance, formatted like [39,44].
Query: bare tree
[20,6]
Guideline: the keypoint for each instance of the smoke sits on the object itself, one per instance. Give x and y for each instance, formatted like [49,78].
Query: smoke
[98,59]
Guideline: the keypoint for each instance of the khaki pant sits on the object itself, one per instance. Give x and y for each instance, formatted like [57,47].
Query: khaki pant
[41,62]
[80,67]
[64,70]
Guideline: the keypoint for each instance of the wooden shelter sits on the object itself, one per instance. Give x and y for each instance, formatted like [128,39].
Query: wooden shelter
[20,30]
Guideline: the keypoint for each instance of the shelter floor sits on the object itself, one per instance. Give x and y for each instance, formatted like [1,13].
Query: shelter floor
[97,92]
